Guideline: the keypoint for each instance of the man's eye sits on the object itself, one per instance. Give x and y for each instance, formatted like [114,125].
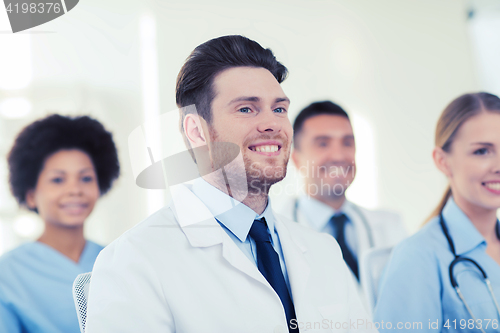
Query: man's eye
[280,110]
[481,151]
[245,110]
[322,144]
[57,180]
[348,143]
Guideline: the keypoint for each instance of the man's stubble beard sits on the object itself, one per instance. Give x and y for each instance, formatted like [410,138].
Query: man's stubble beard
[258,182]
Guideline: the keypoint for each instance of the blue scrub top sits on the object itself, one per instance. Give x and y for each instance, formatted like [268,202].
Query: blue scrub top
[416,284]
[36,288]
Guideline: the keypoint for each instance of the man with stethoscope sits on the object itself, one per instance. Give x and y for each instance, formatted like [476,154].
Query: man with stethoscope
[324,154]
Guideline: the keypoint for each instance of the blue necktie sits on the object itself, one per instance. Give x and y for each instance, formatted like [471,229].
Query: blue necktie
[268,263]
[339,222]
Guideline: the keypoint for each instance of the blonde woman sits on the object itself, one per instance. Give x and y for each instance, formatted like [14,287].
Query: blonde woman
[446,277]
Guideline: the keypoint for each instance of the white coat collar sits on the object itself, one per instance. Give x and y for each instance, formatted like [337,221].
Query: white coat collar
[234,215]
[194,218]
[202,230]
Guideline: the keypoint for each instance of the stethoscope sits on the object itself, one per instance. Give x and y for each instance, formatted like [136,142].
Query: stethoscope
[355,208]
[459,259]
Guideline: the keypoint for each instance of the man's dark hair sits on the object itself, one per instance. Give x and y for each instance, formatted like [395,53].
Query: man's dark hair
[196,77]
[47,136]
[312,110]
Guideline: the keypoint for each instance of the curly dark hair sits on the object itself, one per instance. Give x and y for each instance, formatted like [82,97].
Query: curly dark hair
[46,136]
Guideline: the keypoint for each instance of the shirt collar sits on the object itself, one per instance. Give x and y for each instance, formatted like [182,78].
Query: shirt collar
[464,234]
[318,214]
[234,215]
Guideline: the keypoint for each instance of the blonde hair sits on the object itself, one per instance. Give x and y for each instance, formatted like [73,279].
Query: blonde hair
[453,117]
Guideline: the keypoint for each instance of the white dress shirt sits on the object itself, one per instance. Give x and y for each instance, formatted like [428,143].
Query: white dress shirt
[237,218]
[319,214]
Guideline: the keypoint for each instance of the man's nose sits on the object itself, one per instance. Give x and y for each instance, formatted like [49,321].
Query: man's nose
[269,122]
[337,151]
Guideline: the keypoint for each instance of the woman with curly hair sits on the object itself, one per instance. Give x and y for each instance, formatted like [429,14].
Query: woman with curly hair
[59,167]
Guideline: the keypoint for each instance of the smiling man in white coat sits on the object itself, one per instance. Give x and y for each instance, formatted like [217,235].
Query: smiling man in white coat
[324,153]
[217,259]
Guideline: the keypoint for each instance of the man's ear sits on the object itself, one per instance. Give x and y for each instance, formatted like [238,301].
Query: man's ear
[30,199]
[441,160]
[193,128]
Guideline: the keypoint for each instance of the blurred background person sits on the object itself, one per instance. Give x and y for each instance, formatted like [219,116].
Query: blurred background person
[460,245]
[59,167]
[396,64]
[324,154]
[111,58]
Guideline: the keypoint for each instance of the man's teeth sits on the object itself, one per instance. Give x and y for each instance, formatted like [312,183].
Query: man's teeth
[266,149]
[493,186]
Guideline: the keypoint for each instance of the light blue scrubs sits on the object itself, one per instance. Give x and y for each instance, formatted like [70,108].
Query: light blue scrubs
[416,285]
[36,288]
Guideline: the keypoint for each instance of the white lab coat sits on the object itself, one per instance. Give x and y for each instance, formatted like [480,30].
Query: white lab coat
[179,272]
[386,230]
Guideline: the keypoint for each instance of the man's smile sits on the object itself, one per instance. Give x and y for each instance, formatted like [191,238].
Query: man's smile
[267,148]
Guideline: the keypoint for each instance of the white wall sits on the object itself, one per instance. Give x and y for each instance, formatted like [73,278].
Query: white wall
[393,64]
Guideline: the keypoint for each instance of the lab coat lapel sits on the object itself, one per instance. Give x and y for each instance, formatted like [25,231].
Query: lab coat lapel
[296,264]
[237,258]
[194,218]
[202,230]
[301,219]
